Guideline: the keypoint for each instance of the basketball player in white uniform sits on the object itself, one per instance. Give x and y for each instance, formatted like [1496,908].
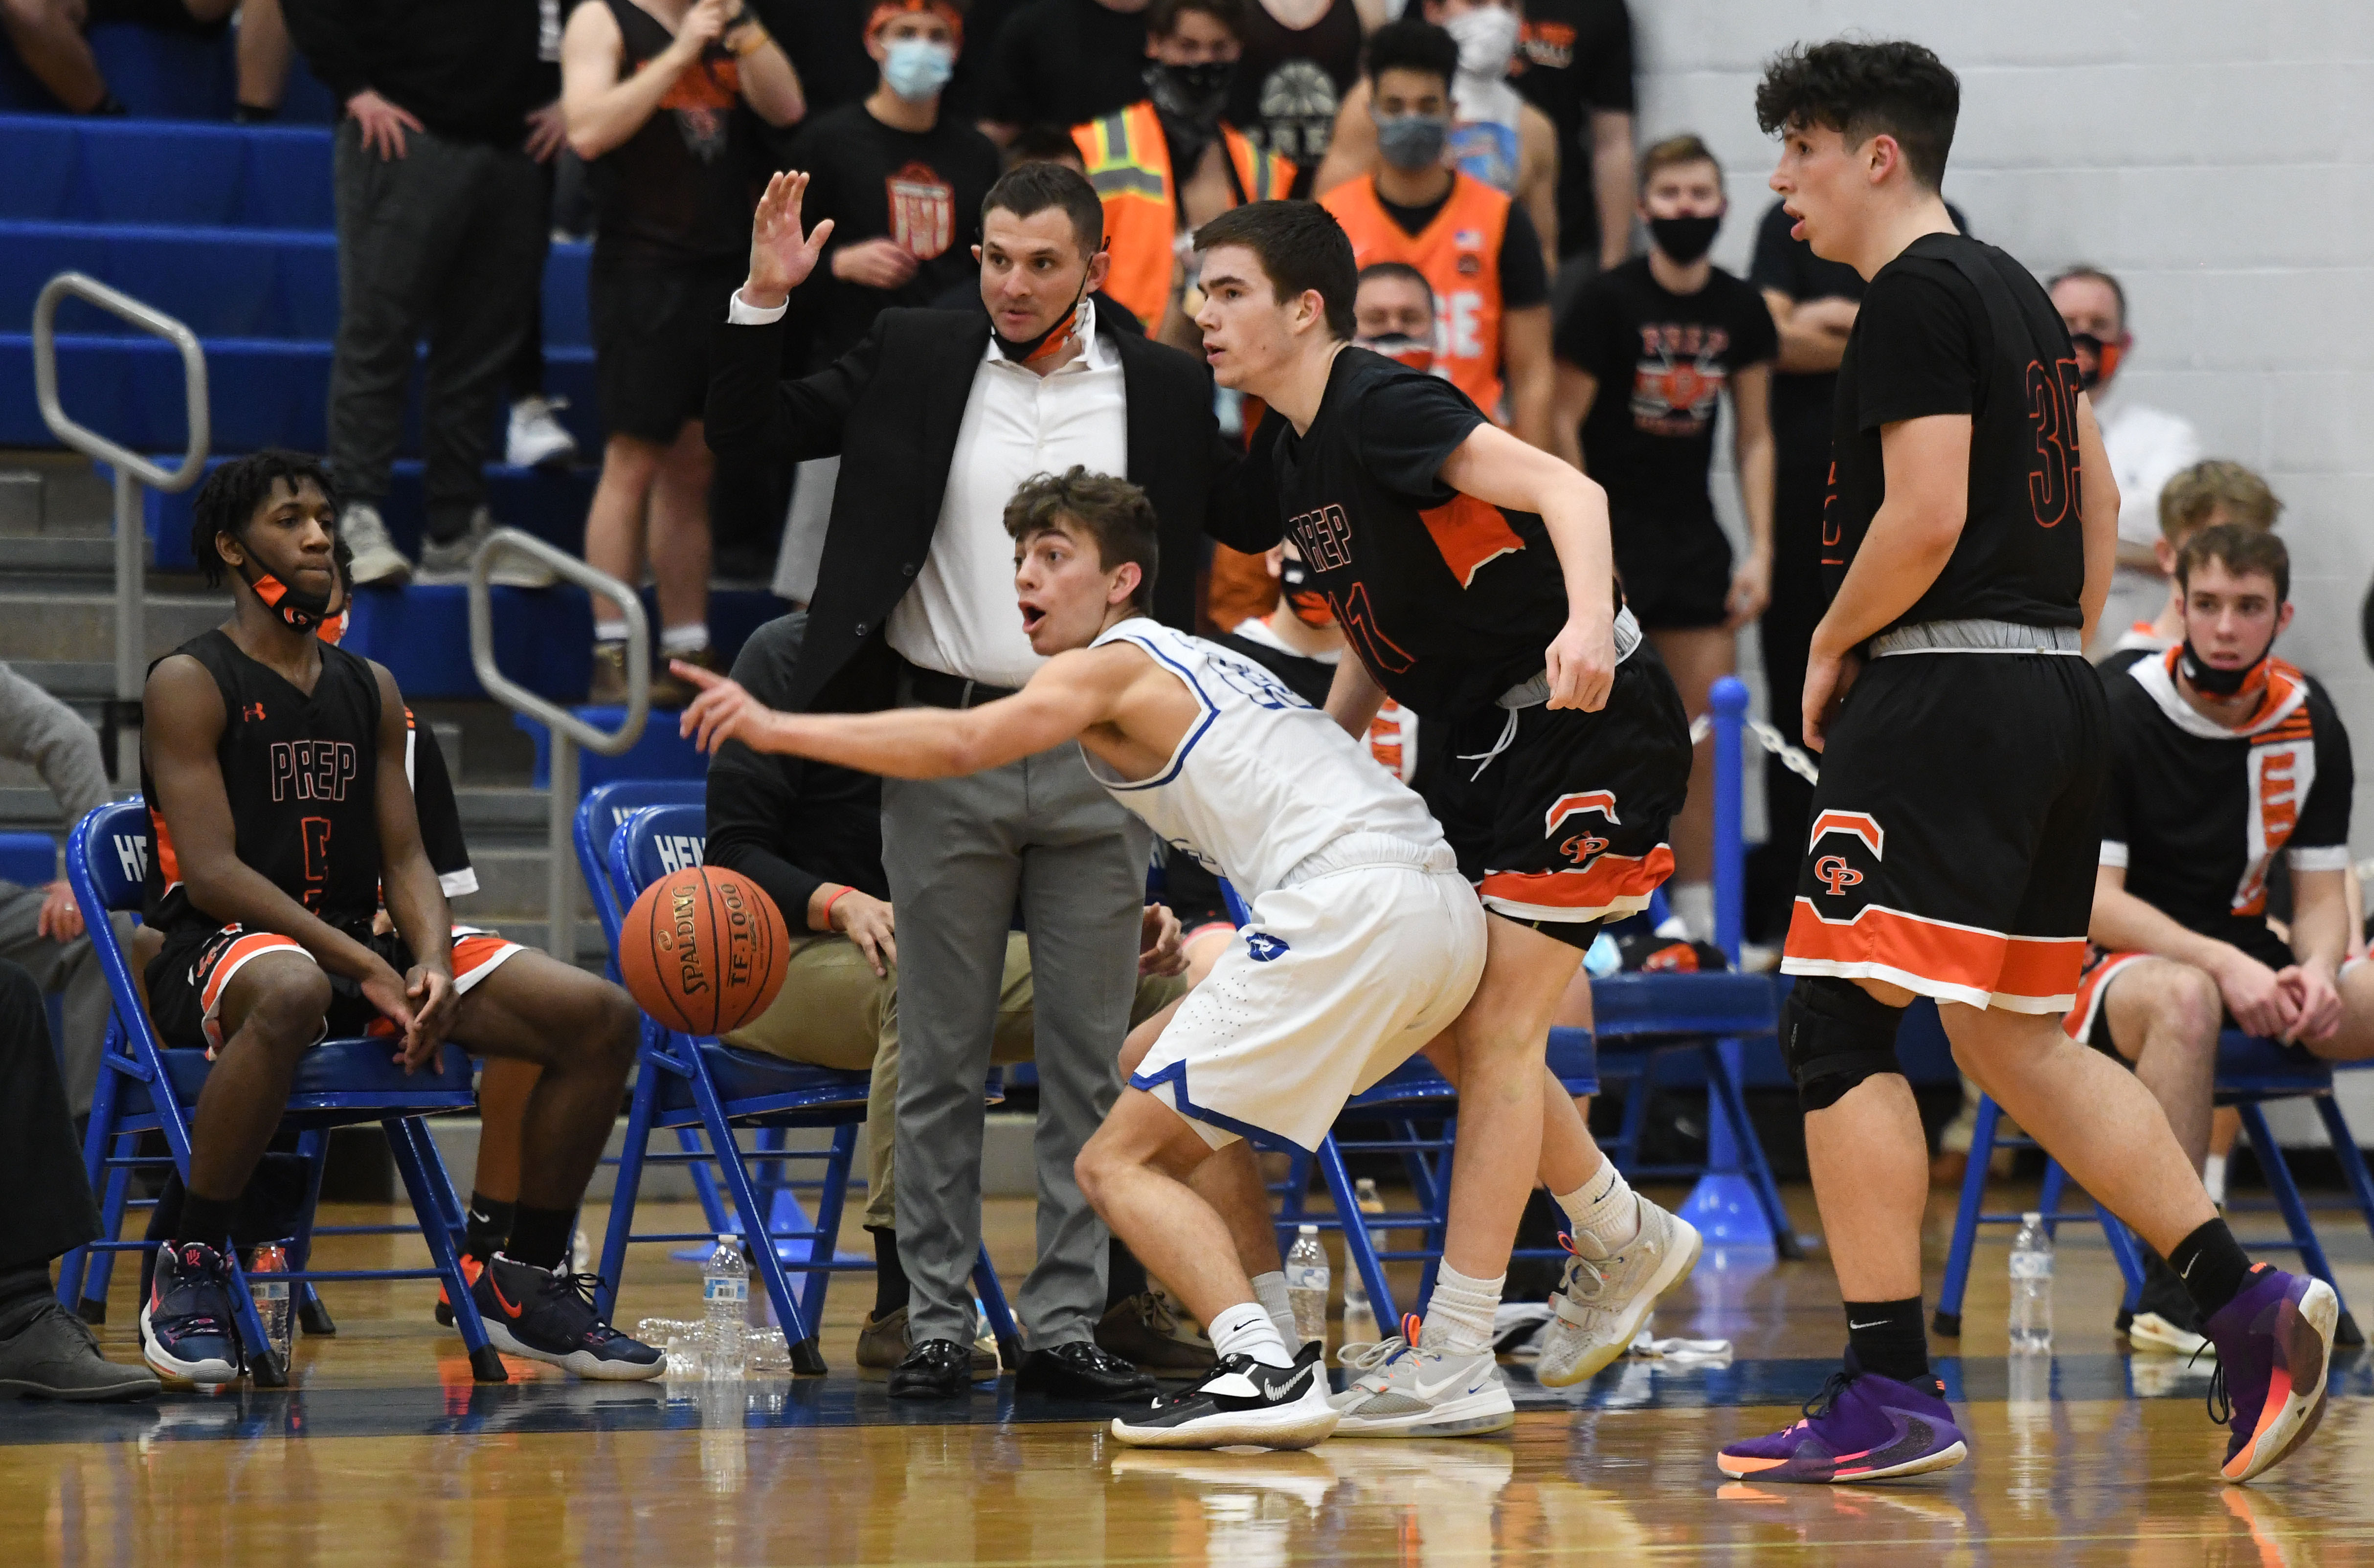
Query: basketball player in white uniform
[1365,940]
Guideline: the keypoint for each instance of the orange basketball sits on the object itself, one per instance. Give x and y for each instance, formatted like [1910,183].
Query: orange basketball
[703,950]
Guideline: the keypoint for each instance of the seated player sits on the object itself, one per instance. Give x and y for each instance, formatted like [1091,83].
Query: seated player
[1471,574]
[811,835]
[2212,491]
[274,768]
[2222,757]
[1364,942]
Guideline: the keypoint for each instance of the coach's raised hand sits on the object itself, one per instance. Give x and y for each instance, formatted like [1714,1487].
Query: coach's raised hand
[781,256]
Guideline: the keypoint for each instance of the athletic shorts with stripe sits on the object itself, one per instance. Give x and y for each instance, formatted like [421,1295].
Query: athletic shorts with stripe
[1342,976]
[187,979]
[1563,823]
[1956,830]
[2089,1020]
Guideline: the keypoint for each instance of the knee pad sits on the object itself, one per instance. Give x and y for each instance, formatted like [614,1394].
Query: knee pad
[1833,1035]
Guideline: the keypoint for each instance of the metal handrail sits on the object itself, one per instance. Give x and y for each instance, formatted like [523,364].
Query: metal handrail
[568,731]
[131,470]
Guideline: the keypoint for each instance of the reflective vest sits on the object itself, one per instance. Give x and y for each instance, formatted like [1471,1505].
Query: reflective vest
[1459,253]
[1129,163]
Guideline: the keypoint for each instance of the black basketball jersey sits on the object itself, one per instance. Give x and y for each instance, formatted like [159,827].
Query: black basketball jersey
[299,773]
[433,802]
[2197,813]
[1953,326]
[1448,599]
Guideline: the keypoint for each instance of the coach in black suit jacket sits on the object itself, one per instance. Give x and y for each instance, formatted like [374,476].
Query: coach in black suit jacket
[937,416]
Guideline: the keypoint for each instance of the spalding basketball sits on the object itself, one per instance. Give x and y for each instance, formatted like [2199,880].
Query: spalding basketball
[703,950]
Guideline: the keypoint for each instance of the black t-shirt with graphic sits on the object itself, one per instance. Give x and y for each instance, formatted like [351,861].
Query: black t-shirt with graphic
[1662,362]
[1448,599]
[1954,326]
[923,191]
[1575,56]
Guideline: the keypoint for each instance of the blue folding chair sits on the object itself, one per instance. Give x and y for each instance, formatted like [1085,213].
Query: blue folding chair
[144,1087]
[705,1089]
[2251,1071]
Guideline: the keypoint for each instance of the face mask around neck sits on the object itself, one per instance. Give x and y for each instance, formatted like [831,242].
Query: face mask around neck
[2211,681]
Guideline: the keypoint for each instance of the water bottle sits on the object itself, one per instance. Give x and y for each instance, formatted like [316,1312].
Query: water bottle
[2031,1286]
[725,1288]
[267,1281]
[1306,1285]
[1359,1314]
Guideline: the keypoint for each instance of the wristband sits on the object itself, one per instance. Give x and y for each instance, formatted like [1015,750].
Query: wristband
[845,890]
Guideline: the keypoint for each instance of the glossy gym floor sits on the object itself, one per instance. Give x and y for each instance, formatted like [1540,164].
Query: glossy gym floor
[384,1450]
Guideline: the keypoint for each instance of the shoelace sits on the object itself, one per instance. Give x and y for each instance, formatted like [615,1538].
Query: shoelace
[1578,1264]
[1369,1357]
[1156,1313]
[585,1288]
[2218,1395]
[1821,1403]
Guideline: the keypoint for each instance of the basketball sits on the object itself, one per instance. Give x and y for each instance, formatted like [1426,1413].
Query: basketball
[703,950]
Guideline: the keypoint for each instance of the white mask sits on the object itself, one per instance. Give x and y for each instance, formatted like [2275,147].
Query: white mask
[1486,39]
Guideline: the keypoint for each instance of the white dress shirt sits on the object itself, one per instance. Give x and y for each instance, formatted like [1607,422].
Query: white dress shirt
[960,617]
[2148,447]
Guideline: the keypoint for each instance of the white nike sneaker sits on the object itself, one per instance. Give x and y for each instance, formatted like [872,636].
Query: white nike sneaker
[1600,1305]
[1407,1390]
[377,562]
[535,437]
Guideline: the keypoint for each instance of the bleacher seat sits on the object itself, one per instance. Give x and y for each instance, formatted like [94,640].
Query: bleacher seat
[168,75]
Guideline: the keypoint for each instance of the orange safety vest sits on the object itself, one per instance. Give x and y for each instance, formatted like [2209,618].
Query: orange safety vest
[1129,163]
[1460,254]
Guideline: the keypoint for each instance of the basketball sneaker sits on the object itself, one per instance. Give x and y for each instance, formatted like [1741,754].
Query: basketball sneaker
[1405,1390]
[1605,1297]
[470,1269]
[2274,1345]
[2164,1318]
[187,1331]
[1241,1402]
[1859,1427]
[549,1317]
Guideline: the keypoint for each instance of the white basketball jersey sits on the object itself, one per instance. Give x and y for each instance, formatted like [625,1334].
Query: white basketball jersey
[1263,780]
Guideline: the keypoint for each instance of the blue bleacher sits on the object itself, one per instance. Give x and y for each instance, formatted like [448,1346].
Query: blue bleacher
[164,75]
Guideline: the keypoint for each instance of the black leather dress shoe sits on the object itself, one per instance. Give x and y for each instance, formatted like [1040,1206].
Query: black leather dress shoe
[937,1369]
[1081,1371]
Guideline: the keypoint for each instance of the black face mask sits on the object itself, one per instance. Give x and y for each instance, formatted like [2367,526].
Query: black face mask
[1685,239]
[2210,681]
[1022,350]
[1194,94]
[303,611]
[1302,594]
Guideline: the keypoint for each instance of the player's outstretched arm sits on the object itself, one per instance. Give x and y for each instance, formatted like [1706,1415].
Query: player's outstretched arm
[1492,465]
[2098,494]
[409,885]
[1070,692]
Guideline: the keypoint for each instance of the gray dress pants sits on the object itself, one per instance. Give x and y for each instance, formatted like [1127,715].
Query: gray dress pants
[69,966]
[957,852]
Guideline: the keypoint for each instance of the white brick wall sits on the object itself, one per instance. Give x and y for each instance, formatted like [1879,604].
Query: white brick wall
[2217,156]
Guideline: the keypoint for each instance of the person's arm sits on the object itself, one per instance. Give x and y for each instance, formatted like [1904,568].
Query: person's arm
[1351,143]
[1526,361]
[1069,693]
[1537,178]
[1243,511]
[1353,696]
[751,407]
[1493,466]
[2099,495]
[1813,333]
[604,108]
[2124,923]
[1611,183]
[1572,396]
[37,729]
[769,84]
[1751,411]
[408,886]
[2319,942]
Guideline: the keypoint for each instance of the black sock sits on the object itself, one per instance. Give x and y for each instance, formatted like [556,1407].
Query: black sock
[2213,1266]
[19,1286]
[541,1236]
[1887,1338]
[1124,1275]
[891,1291]
[207,1219]
[489,1227]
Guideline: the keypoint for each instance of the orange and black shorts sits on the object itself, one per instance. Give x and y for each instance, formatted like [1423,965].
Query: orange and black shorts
[186,981]
[1558,817]
[1956,830]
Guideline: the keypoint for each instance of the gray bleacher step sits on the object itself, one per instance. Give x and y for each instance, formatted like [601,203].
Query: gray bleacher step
[511,882]
[89,558]
[79,624]
[54,493]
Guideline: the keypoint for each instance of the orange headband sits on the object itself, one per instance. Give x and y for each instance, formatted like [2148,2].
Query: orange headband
[884,11]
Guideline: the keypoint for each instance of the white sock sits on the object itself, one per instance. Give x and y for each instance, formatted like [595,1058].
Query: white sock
[2213,1176]
[1245,1330]
[1270,1290]
[1605,1205]
[1459,1314]
[678,641]
[610,631]
[1693,903]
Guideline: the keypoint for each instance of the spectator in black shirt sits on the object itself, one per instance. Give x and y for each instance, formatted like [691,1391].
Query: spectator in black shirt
[1645,358]
[1064,62]
[810,835]
[1574,64]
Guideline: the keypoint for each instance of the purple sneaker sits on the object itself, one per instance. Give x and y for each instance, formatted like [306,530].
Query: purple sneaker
[2274,1343]
[1859,1427]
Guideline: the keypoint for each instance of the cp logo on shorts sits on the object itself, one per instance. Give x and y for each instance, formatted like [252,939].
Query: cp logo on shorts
[1833,873]
[1264,946]
[1847,848]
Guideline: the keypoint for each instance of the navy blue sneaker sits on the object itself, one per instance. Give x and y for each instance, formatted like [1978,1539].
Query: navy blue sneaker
[549,1317]
[187,1333]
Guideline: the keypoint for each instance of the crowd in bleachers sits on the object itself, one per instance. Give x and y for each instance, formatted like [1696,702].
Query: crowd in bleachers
[1480,155]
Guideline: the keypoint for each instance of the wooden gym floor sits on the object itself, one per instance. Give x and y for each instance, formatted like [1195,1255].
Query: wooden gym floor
[384,1450]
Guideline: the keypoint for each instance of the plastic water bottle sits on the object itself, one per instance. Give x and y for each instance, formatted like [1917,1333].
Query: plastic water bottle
[267,1281]
[725,1289]
[1360,1313]
[2031,1286]
[1306,1285]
